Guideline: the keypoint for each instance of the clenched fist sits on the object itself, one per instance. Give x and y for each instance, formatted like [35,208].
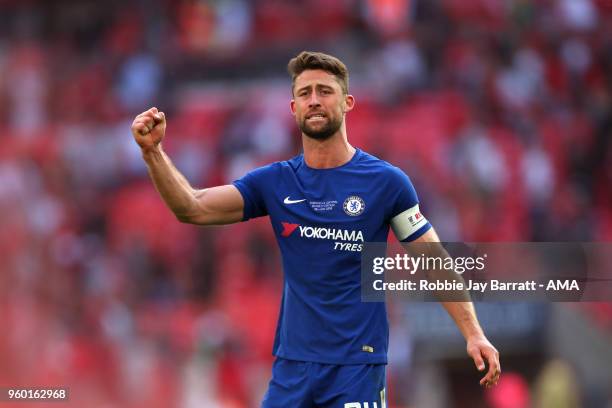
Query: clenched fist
[149,128]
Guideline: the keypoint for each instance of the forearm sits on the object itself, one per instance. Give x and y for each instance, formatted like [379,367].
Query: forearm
[174,188]
[464,315]
[460,308]
[457,303]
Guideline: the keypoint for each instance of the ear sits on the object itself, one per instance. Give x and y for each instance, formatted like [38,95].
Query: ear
[349,103]
[292,106]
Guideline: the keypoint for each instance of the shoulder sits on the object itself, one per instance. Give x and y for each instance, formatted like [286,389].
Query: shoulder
[271,168]
[270,173]
[382,168]
[293,163]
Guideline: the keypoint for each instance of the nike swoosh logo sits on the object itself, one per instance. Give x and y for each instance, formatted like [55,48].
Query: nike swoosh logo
[288,201]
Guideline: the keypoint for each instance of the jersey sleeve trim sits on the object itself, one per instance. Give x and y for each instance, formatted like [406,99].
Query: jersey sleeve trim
[246,197]
[418,233]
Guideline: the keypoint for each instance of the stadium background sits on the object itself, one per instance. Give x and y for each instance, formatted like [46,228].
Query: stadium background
[500,111]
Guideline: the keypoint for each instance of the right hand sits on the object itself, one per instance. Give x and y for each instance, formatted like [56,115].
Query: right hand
[479,347]
[149,128]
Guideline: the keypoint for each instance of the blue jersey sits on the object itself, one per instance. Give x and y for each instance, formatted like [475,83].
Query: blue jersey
[321,218]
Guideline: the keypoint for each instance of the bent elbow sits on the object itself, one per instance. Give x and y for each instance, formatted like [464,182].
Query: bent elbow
[184,218]
[188,214]
[197,218]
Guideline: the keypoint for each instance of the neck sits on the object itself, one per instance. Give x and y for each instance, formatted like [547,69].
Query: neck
[329,153]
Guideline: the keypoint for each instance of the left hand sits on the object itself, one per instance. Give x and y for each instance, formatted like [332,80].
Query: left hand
[480,349]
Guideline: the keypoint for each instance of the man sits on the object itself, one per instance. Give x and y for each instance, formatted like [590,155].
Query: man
[331,348]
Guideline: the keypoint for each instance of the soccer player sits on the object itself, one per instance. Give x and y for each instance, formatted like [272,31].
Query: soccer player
[330,348]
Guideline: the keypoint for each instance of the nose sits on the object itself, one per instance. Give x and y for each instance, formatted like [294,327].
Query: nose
[314,101]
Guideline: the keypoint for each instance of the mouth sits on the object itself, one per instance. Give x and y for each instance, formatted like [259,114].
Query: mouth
[315,116]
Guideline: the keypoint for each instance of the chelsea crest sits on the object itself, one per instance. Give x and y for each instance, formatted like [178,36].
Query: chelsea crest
[354,206]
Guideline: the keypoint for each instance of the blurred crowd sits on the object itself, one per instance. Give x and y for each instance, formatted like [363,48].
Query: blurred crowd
[500,112]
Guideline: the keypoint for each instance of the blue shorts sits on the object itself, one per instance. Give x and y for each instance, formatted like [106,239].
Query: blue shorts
[302,384]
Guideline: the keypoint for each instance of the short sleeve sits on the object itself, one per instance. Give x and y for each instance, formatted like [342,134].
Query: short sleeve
[406,219]
[252,187]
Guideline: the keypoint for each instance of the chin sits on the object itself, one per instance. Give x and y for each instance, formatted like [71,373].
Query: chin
[323,132]
[319,136]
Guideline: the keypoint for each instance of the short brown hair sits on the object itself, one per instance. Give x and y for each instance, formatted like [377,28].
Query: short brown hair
[317,60]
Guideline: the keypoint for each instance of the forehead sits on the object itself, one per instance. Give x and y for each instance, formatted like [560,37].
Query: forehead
[312,77]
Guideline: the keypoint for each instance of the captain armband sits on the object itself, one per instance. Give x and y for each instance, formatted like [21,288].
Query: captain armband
[408,222]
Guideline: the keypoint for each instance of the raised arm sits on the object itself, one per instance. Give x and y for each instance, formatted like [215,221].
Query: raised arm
[464,315]
[210,206]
